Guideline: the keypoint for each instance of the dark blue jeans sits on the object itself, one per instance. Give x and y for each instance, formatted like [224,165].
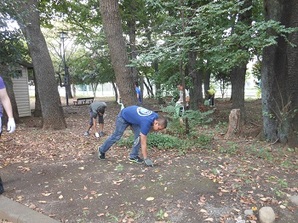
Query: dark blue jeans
[121,125]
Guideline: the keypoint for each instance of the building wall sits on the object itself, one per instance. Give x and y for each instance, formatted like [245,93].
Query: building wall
[20,88]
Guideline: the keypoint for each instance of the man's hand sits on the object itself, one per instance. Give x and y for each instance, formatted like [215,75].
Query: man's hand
[148,162]
[11,125]
[97,135]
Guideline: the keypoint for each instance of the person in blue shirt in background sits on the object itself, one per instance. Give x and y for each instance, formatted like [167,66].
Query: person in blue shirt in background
[141,121]
[139,94]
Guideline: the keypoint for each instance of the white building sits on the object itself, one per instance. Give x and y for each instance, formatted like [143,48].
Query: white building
[20,88]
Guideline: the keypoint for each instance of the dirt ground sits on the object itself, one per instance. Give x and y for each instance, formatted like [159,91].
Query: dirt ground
[58,174]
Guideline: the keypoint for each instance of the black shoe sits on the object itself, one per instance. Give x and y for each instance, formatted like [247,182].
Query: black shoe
[1,186]
[101,156]
[136,160]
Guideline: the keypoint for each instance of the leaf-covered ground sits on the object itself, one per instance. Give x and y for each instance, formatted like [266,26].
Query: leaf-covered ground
[57,173]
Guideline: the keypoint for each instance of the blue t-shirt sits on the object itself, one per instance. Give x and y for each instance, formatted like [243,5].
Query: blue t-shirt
[2,86]
[140,116]
[138,92]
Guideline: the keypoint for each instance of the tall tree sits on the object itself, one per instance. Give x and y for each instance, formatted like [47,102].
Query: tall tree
[280,76]
[114,33]
[132,7]
[27,15]
[239,71]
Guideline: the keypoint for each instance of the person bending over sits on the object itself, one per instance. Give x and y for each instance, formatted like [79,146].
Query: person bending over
[141,120]
[96,111]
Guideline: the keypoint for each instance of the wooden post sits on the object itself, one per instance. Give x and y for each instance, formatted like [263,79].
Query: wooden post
[234,128]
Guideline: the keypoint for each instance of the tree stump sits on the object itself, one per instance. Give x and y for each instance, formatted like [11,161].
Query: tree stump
[234,128]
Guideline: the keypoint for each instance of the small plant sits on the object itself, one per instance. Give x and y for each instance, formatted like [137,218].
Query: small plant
[86,212]
[112,217]
[231,149]
[119,167]
[215,171]
[204,141]
[287,164]
[282,183]
[161,214]
[221,126]
[264,154]
[130,214]
[261,153]
[278,192]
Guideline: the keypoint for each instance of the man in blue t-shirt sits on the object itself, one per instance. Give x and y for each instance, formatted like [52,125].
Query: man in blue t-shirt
[141,121]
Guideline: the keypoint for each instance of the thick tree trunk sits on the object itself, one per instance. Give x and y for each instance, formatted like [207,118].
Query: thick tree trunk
[196,95]
[280,77]
[238,73]
[132,42]
[52,112]
[238,84]
[113,29]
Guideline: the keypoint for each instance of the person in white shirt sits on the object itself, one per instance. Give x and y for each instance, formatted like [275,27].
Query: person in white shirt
[180,103]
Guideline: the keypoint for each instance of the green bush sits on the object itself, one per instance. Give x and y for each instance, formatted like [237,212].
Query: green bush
[165,141]
[177,125]
[198,118]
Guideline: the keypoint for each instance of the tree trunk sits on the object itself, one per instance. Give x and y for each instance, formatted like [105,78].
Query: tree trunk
[37,109]
[52,112]
[207,75]
[280,77]
[238,73]
[116,91]
[234,128]
[196,96]
[113,29]
[238,84]
[159,93]
[132,40]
